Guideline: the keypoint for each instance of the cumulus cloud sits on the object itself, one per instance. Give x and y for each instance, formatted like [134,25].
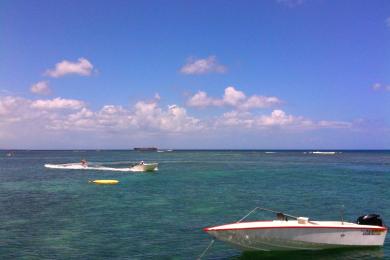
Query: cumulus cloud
[387,21]
[376,86]
[234,98]
[10,104]
[334,124]
[203,66]
[290,3]
[248,120]
[173,119]
[201,99]
[64,117]
[82,67]
[57,103]
[380,86]
[72,115]
[277,118]
[15,109]
[41,88]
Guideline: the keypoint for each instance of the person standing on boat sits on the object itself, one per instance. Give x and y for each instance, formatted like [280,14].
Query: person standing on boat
[84,163]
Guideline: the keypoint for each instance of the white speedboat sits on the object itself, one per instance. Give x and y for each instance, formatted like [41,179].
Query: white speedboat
[301,234]
[145,167]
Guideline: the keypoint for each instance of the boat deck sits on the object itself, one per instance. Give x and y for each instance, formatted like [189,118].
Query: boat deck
[268,224]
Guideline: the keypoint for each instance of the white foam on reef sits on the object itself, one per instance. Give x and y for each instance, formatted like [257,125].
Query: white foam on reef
[325,153]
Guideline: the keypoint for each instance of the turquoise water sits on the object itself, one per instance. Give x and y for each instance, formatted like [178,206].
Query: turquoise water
[57,214]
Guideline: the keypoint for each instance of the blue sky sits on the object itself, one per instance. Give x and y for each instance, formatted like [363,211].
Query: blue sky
[304,74]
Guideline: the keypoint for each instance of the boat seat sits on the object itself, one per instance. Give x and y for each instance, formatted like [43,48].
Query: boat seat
[281,216]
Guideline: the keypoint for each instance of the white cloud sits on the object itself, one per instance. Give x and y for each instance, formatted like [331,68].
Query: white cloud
[69,115]
[387,22]
[376,86]
[174,119]
[144,117]
[10,104]
[277,118]
[380,86]
[260,102]
[334,124]
[290,3]
[248,120]
[57,103]
[26,120]
[18,110]
[202,66]
[41,88]
[233,98]
[82,67]
[201,99]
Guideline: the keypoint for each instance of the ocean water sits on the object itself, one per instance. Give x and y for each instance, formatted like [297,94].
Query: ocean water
[57,214]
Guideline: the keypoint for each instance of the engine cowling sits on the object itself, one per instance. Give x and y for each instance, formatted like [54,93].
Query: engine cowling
[370,219]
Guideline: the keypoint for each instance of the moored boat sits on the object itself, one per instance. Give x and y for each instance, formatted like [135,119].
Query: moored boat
[301,234]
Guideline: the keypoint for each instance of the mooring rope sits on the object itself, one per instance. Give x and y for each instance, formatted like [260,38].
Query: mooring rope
[247,214]
[207,249]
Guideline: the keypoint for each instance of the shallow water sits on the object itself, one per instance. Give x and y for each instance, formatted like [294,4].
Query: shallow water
[57,214]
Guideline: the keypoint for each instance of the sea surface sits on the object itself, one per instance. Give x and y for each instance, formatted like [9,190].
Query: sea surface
[58,214]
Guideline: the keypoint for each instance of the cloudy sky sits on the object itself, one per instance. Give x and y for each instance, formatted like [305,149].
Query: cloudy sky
[272,74]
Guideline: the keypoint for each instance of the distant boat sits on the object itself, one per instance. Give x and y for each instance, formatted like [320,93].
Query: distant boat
[162,151]
[146,149]
[301,234]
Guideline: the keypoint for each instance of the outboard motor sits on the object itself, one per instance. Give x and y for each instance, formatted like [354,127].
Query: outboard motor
[370,219]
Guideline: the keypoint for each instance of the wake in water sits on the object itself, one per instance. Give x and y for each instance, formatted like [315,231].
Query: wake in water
[100,167]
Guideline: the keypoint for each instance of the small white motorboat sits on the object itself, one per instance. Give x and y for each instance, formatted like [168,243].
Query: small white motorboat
[301,233]
[145,167]
[84,165]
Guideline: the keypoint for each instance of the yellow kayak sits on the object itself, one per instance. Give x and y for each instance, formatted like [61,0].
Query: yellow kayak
[105,181]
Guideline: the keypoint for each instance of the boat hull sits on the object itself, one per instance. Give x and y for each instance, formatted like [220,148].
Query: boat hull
[147,167]
[296,238]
